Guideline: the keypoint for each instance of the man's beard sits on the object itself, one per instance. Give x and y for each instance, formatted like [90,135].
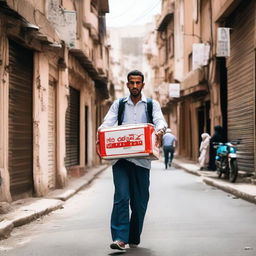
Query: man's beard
[135,92]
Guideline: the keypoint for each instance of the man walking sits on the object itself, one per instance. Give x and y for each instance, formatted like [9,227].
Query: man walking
[169,144]
[131,175]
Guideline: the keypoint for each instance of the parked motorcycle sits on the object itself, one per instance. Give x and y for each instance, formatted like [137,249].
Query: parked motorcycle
[226,160]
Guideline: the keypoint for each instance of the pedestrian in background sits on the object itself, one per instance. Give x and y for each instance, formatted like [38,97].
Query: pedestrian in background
[131,175]
[217,137]
[169,143]
[204,151]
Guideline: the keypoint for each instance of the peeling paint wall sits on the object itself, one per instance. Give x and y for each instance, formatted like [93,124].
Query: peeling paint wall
[4,79]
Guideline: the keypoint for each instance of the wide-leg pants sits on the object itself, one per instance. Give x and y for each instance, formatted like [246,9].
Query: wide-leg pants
[131,191]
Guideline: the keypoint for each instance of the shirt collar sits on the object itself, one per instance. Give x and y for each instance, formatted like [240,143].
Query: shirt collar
[129,101]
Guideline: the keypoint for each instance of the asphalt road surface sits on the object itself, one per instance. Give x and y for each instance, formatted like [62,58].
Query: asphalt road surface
[185,217]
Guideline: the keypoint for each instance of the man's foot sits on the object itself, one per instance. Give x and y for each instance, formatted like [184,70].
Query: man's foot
[118,245]
[170,164]
[133,246]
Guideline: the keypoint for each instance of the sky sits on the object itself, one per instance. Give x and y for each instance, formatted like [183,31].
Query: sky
[131,12]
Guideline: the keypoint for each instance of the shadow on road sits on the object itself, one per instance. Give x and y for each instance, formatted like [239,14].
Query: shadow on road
[137,252]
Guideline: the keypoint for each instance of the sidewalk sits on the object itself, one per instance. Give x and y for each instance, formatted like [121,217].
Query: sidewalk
[26,210]
[239,189]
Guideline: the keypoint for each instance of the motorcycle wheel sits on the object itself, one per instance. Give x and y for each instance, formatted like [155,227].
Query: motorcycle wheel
[219,172]
[233,172]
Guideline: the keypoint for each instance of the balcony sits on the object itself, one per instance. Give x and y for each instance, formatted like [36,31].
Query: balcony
[31,13]
[90,21]
[85,61]
[166,16]
[194,83]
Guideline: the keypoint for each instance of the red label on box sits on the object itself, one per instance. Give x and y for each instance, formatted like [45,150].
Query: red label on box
[124,141]
[128,141]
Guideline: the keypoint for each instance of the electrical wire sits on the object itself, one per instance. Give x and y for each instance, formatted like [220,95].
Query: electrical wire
[130,7]
[148,11]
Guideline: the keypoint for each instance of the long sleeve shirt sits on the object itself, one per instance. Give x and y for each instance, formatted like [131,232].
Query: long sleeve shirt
[135,114]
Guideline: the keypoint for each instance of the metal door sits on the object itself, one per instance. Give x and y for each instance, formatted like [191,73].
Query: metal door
[20,119]
[51,135]
[73,129]
[241,83]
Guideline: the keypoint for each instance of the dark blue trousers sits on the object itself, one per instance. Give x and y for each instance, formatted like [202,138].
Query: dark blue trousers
[168,155]
[131,191]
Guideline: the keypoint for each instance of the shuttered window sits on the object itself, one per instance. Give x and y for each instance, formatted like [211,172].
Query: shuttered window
[73,129]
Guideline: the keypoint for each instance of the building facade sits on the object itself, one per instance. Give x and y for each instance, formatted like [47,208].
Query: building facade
[54,80]
[215,72]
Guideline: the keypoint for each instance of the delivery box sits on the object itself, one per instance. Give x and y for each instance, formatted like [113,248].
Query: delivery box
[128,141]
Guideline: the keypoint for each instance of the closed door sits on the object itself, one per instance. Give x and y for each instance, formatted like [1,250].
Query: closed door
[20,120]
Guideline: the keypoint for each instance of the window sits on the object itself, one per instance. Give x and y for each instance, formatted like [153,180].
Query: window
[170,45]
[190,62]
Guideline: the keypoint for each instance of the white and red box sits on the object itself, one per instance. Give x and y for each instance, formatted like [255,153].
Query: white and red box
[126,141]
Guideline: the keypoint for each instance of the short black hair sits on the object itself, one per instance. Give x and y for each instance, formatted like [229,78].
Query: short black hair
[135,73]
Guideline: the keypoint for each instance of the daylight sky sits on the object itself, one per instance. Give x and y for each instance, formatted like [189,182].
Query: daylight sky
[131,12]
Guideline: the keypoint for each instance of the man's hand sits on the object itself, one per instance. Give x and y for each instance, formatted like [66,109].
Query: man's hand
[159,135]
[98,144]
[98,148]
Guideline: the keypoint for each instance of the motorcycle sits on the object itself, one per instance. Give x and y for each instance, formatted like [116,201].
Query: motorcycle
[226,160]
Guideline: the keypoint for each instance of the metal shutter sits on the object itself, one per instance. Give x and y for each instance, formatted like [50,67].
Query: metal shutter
[73,129]
[86,115]
[241,83]
[51,136]
[20,119]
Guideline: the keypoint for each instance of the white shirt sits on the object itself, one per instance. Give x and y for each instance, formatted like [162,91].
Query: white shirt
[135,114]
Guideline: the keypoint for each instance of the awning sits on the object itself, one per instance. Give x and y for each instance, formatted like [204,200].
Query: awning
[194,82]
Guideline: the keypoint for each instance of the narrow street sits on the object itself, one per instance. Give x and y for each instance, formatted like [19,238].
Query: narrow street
[185,217]
[72,72]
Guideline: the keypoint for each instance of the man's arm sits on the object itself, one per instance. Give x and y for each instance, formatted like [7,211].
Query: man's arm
[109,120]
[158,118]
[111,117]
[159,122]
[175,143]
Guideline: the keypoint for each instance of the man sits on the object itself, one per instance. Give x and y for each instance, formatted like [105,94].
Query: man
[169,143]
[131,175]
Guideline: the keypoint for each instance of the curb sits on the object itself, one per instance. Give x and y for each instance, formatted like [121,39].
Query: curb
[37,207]
[225,187]
[77,184]
[27,213]
[229,188]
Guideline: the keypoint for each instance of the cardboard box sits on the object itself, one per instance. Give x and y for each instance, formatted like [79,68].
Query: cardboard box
[128,141]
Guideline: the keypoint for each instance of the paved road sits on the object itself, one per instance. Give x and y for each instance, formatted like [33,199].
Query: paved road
[185,218]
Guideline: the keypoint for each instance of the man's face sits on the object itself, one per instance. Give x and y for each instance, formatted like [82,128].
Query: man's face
[135,85]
